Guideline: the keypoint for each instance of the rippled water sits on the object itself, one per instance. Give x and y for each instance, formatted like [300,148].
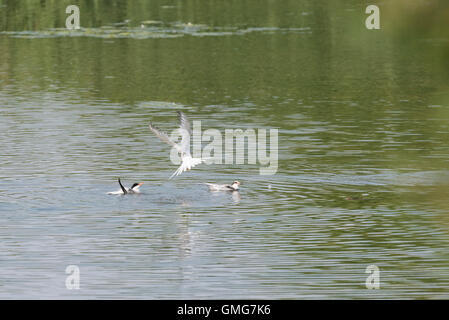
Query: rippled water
[172,30]
[362,175]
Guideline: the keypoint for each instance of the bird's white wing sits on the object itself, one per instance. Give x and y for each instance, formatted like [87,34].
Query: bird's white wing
[214,187]
[186,132]
[116,192]
[211,186]
[164,137]
[184,122]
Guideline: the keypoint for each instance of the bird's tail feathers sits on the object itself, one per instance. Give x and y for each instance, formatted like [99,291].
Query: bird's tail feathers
[187,164]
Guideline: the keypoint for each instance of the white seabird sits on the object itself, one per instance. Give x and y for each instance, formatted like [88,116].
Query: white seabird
[134,188]
[183,148]
[224,187]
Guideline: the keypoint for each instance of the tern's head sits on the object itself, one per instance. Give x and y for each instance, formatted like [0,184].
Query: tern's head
[136,186]
[235,185]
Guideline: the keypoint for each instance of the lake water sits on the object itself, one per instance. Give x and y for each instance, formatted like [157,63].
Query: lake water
[362,179]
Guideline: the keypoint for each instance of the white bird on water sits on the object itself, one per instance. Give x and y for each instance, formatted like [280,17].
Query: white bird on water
[134,189]
[224,187]
[183,148]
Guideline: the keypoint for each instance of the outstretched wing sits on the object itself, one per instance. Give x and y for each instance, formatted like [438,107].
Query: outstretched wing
[186,132]
[184,122]
[164,137]
[122,187]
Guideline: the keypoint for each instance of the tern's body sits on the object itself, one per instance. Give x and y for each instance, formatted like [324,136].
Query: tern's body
[224,187]
[133,190]
[183,148]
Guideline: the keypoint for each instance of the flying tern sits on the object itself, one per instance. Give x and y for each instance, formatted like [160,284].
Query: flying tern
[183,148]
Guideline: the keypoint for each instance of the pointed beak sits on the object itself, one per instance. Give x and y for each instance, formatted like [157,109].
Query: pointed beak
[141,183]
